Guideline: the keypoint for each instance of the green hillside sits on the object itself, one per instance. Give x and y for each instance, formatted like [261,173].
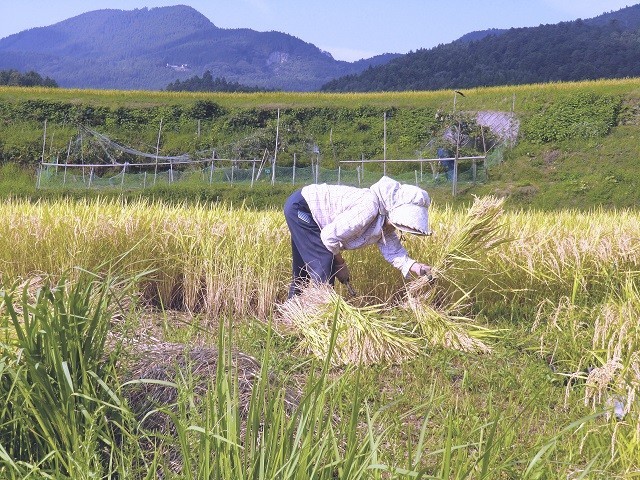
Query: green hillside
[577,145]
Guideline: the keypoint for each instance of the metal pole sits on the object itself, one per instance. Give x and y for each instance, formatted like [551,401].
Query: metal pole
[44,140]
[293,175]
[155,175]
[82,156]
[67,160]
[384,165]
[338,174]
[275,154]
[454,183]
[253,171]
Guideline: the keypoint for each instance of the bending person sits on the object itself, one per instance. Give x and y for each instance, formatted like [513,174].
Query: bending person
[326,219]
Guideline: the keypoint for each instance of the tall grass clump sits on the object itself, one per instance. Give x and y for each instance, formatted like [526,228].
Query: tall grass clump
[63,413]
[320,437]
[59,414]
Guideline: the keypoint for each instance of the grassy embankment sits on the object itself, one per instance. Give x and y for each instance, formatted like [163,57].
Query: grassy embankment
[576,147]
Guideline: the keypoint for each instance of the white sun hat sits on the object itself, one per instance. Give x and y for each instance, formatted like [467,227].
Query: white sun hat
[410,218]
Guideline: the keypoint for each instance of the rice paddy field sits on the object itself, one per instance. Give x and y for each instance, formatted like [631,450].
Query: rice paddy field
[147,340]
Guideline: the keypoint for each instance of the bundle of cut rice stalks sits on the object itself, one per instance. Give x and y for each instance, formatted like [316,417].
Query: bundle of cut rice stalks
[446,328]
[364,335]
[430,313]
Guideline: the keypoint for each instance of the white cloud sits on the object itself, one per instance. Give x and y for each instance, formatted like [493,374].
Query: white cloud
[347,54]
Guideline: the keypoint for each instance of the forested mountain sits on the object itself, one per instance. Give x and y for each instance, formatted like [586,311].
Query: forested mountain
[607,46]
[150,48]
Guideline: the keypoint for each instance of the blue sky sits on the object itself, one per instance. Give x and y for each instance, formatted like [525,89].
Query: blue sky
[348,29]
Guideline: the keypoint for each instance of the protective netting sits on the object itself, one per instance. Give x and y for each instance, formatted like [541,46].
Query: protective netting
[51,176]
[128,168]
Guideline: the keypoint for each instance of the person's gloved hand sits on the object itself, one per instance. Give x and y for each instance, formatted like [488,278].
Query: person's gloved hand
[421,270]
[342,273]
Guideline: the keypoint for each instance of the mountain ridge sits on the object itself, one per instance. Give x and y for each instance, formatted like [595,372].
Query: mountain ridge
[139,48]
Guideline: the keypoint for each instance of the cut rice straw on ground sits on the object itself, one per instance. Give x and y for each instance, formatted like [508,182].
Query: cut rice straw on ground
[365,335]
[371,334]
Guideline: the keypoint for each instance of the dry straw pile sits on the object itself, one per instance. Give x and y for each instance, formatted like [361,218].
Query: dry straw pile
[430,312]
[155,372]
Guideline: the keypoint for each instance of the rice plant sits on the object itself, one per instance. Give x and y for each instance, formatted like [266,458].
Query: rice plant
[59,415]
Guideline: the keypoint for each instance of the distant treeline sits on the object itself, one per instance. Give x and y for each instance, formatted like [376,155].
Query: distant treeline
[30,79]
[569,51]
[209,84]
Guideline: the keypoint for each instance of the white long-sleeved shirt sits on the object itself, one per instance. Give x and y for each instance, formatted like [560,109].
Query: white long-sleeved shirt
[351,218]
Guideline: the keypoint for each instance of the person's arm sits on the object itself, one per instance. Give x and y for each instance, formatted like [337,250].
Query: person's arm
[342,271]
[393,251]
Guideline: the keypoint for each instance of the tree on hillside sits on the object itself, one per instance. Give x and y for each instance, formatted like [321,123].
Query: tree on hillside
[30,79]
[208,84]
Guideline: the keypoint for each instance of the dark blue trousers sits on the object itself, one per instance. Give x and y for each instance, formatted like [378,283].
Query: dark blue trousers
[310,258]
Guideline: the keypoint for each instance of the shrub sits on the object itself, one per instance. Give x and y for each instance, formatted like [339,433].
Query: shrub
[581,115]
